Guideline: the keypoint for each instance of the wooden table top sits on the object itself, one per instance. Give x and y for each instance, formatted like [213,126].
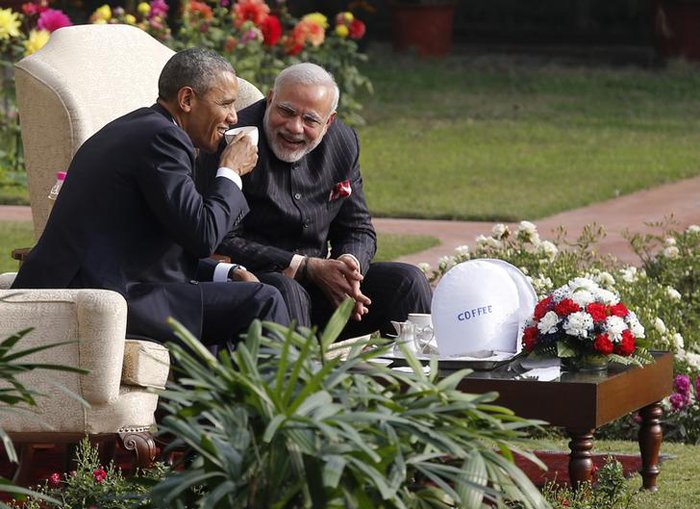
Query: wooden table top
[579,400]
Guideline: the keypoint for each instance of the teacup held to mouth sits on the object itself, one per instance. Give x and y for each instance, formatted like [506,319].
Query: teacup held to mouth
[250,130]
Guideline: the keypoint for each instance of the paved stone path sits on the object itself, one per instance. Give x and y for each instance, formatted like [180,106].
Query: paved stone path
[682,199]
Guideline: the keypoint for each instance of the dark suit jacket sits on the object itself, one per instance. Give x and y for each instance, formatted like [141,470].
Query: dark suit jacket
[128,218]
[290,209]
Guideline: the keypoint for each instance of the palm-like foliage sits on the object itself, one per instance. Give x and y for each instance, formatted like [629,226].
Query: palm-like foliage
[13,392]
[278,425]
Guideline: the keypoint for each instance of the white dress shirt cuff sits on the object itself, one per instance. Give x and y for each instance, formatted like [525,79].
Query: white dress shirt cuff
[228,173]
[291,271]
[221,272]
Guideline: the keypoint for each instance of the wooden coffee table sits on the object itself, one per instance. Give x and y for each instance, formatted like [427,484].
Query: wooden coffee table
[583,402]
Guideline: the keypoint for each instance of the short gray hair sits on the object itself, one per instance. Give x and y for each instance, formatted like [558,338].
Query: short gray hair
[193,67]
[307,73]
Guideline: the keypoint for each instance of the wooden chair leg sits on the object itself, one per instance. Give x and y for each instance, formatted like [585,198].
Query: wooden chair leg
[26,457]
[143,445]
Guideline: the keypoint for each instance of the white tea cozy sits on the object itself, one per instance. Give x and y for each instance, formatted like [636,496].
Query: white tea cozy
[481,305]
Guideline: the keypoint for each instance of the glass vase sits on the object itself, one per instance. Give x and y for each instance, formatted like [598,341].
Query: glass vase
[586,364]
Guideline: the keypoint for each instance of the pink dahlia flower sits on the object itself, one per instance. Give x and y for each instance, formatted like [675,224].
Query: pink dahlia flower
[53,19]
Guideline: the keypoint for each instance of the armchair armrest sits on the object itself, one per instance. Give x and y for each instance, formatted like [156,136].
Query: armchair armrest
[96,317]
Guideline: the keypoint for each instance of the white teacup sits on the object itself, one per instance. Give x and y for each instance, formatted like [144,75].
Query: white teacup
[424,328]
[250,130]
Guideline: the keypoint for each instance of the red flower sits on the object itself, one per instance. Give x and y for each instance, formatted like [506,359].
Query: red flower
[203,9]
[597,311]
[230,44]
[603,344]
[100,475]
[54,480]
[272,30]
[542,307]
[530,335]
[357,29]
[29,8]
[253,10]
[619,309]
[566,307]
[626,346]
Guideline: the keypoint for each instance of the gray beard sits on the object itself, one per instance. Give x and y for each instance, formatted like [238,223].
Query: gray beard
[288,156]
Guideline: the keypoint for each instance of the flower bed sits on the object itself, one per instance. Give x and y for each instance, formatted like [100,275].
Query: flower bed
[260,40]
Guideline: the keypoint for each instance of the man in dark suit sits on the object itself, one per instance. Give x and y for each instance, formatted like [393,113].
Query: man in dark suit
[129,218]
[309,232]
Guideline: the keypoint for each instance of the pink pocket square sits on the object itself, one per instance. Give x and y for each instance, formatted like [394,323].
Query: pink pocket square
[340,189]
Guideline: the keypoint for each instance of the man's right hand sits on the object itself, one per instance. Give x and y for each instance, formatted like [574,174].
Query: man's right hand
[240,155]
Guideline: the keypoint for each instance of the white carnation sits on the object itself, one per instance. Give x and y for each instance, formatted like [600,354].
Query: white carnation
[500,230]
[583,283]
[583,298]
[660,326]
[606,296]
[693,228]
[615,326]
[462,250]
[481,240]
[548,323]
[629,274]
[670,241]
[424,267]
[562,293]
[671,252]
[636,328]
[578,324]
[673,294]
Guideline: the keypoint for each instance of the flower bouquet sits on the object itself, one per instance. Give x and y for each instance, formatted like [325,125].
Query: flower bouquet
[587,327]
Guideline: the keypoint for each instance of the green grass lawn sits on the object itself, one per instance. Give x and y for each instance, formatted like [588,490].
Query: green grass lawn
[390,247]
[13,235]
[506,138]
[678,481]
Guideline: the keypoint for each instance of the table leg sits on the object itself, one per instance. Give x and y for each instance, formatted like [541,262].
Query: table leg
[650,443]
[580,461]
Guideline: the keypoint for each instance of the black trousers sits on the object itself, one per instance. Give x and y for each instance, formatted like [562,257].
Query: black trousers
[228,314]
[395,289]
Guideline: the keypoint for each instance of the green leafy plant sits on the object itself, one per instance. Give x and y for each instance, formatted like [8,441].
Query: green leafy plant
[281,423]
[13,393]
[93,484]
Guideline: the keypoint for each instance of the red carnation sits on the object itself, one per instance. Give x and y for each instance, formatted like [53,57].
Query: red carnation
[597,311]
[99,475]
[530,335]
[271,29]
[619,310]
[55,480]
[626,346]
[357,29]
[566,307]
[542,307]
[603,344]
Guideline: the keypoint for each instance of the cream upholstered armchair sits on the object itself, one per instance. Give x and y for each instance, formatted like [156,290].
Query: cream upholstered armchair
[82,79]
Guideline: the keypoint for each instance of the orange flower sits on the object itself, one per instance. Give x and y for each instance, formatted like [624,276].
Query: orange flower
[309,31]
[250,10]
[202,9]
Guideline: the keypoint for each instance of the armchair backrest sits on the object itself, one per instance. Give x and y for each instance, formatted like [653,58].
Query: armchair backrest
[85,77]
